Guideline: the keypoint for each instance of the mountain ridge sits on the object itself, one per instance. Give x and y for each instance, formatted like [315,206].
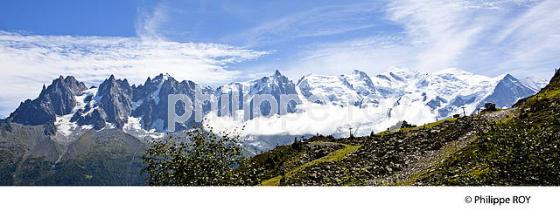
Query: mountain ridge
[452,151]
[67,103]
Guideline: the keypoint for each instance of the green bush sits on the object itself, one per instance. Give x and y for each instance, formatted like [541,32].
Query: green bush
[203,159]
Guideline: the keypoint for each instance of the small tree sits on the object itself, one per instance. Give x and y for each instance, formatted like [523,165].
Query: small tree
[490,107]
[405,124]
[203,159]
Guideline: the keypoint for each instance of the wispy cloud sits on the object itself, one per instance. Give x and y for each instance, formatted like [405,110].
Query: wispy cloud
[440,28]
[487,37]
[316,22]
[532,40]
[150,20]
[29,61]
[373,54]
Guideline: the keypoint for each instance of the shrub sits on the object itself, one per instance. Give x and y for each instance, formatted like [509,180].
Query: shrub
[203,159]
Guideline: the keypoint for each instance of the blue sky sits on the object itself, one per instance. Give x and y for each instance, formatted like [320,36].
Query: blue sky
[218,41]
[71,17]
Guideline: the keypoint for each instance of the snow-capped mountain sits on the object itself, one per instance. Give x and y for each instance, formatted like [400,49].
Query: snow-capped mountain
[356,89]
[275,86]
[533,83]
[446,92]
[400,94]
[509,90]
[109,104]
[150,104]
[443,93]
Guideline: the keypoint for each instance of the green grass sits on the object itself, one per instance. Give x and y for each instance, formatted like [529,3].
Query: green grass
[543,95]
[507,119]
[331,157]
[272,181]
[479,172]
[433,124]
[383,133]
[428,125]
[550,94]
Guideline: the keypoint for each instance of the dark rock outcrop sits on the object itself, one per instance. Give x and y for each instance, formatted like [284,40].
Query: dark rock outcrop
[113,105]
[56,99]
[152,101]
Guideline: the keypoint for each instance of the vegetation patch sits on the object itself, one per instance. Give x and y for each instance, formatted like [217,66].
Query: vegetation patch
[331,157]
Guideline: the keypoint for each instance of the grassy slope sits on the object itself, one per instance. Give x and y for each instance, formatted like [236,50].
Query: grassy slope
[270,165]
[331,157]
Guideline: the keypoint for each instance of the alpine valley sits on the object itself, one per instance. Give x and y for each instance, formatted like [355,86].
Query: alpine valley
[72,134]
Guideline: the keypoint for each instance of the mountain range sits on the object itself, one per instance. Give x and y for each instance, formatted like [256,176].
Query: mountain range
[69,107]
[72,134]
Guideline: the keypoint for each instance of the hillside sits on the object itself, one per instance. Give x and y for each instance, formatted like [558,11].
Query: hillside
[517,146]
[107,157]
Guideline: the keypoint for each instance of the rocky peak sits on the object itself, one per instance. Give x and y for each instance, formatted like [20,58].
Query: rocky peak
[508,91]
[152,87]
[509,77]
[360,73]
[55,99]
[113,86]
[275,84]
[68,84]
[112,104]
[277,73]
[115,100]
[150,100]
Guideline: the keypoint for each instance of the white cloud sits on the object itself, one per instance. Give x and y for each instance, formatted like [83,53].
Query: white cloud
[29,61]
[373,55]
[311,119]
[320,21]
[439,27]
[150,21]
[486,37]
[433,37]
[532,40]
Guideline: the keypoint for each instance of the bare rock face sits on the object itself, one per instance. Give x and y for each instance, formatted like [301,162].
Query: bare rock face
[113,105]
[56,99]
[115,101]
[152,103]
